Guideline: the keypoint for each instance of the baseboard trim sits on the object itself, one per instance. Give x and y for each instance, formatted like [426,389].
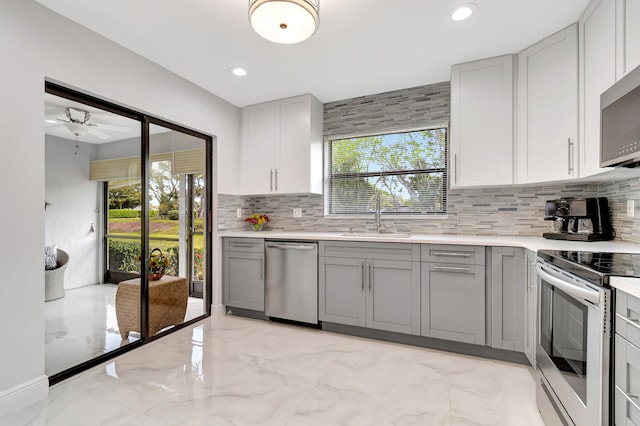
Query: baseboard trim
[24,394]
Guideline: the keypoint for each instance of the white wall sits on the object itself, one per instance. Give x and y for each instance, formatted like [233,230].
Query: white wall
[36,44]
[74,207]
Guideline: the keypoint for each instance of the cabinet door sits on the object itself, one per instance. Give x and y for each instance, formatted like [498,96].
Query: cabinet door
[627,382]
[482,123]
[258,148]
[507,298]
[452,302]
[342,290]
[243,278]
[628,28]
[598,48]
[393,296]
[530,308]
[548,109]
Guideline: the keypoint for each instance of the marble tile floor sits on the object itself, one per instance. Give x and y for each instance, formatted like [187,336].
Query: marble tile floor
[228,370]
[83,325]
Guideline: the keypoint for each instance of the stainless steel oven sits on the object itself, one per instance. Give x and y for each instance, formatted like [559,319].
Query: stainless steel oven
[573,347]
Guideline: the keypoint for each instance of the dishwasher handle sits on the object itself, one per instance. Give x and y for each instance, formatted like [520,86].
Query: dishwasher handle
[292,246]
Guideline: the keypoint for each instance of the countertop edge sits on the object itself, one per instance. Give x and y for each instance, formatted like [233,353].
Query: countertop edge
[530,243]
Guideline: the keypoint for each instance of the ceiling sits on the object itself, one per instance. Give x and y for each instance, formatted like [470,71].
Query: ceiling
[361,47]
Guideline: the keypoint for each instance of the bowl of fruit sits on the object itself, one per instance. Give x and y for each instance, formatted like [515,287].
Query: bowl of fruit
[256,221]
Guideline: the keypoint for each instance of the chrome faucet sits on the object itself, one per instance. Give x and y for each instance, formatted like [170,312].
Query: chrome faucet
[379,226]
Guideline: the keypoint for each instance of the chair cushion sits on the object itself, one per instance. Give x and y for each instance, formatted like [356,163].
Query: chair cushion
[50,257]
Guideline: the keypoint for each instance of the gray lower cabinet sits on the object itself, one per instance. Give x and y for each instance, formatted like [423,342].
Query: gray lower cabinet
[507,298]
[452,292]
[374,285]
[627,382]
[627,360]
[243,273]
[530,307]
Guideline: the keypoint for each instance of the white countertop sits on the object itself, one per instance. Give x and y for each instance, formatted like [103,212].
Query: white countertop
[530,243]
[626,284]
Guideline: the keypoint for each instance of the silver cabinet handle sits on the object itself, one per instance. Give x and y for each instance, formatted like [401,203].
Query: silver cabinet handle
[276,180]
[450,254]
[292,246]
[362,276]
[241,244]
[633,322]
[370,277]
[261,269]
[270,179]
[628,397]
[570,156]
[450,268]
[455,168]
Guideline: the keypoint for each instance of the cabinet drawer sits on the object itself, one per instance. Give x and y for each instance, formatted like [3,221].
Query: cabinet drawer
[628,317]
[444,253]
[627,382]
[248,245]
[370,250]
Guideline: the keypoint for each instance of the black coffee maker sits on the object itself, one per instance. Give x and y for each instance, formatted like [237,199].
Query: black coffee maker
[579,219]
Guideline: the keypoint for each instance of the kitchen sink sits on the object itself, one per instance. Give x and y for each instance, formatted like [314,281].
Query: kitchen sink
[374,235]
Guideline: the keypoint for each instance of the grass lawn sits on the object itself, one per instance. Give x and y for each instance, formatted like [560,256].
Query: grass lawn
[158,228]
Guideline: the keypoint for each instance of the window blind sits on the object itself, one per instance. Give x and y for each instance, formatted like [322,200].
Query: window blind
[407,169]
[183,162]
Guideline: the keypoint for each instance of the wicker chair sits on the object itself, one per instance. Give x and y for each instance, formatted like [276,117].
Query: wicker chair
[54,278]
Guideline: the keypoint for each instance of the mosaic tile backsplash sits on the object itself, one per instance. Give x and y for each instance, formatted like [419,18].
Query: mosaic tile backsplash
[509,210]
[513,210]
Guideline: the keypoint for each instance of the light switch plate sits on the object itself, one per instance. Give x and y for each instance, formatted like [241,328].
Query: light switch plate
[239,213]
[297,212]
[631,208]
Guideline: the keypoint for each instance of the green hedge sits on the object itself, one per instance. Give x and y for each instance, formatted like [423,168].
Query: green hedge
[123,256]
[173,214]
[129,213]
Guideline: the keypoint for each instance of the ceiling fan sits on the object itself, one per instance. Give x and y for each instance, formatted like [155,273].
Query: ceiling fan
[77,122]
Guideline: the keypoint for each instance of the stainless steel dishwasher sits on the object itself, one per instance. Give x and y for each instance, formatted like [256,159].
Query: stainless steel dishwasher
[291,285]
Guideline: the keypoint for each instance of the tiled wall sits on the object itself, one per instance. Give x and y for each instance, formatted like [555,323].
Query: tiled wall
[511,210]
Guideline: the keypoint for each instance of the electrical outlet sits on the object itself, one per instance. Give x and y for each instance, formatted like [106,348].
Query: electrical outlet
[631,208]
[239,213]
[297,212]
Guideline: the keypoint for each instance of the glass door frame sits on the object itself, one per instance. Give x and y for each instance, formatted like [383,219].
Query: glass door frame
[145,121]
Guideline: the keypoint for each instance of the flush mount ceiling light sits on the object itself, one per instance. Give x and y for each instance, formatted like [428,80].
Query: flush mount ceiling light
[464,11]
[238,71]
[284,21]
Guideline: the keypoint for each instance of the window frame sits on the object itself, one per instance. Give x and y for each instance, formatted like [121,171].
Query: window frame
[328,177]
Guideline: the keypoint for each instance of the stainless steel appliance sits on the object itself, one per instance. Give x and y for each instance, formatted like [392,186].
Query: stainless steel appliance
[619,124]
[579,219]
[575,328]
[291,284]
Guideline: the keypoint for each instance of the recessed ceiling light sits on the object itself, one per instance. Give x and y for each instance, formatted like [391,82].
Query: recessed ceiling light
[238,72]
[50,121]
[464,11]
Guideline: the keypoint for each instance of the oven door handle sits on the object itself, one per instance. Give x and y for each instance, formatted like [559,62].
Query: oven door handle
[572,290]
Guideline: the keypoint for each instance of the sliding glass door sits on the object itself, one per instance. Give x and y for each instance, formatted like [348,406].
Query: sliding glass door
[144,187]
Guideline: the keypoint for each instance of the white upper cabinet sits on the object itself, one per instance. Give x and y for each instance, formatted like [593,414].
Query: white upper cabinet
[546,148]
[598,73]
[482,123]
[628,31]
[282,147]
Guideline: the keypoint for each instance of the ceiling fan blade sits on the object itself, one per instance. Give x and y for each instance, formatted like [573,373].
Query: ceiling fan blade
[98,133]
[111,128]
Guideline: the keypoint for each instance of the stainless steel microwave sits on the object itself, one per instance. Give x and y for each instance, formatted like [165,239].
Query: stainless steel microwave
[620,122]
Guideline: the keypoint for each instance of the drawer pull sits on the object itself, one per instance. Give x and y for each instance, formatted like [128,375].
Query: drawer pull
[241,244]
[450,254]
[450,268]
[633,322]
[628,397]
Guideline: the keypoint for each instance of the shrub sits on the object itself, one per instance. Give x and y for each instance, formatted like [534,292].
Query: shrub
[173,214]
[123,255]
